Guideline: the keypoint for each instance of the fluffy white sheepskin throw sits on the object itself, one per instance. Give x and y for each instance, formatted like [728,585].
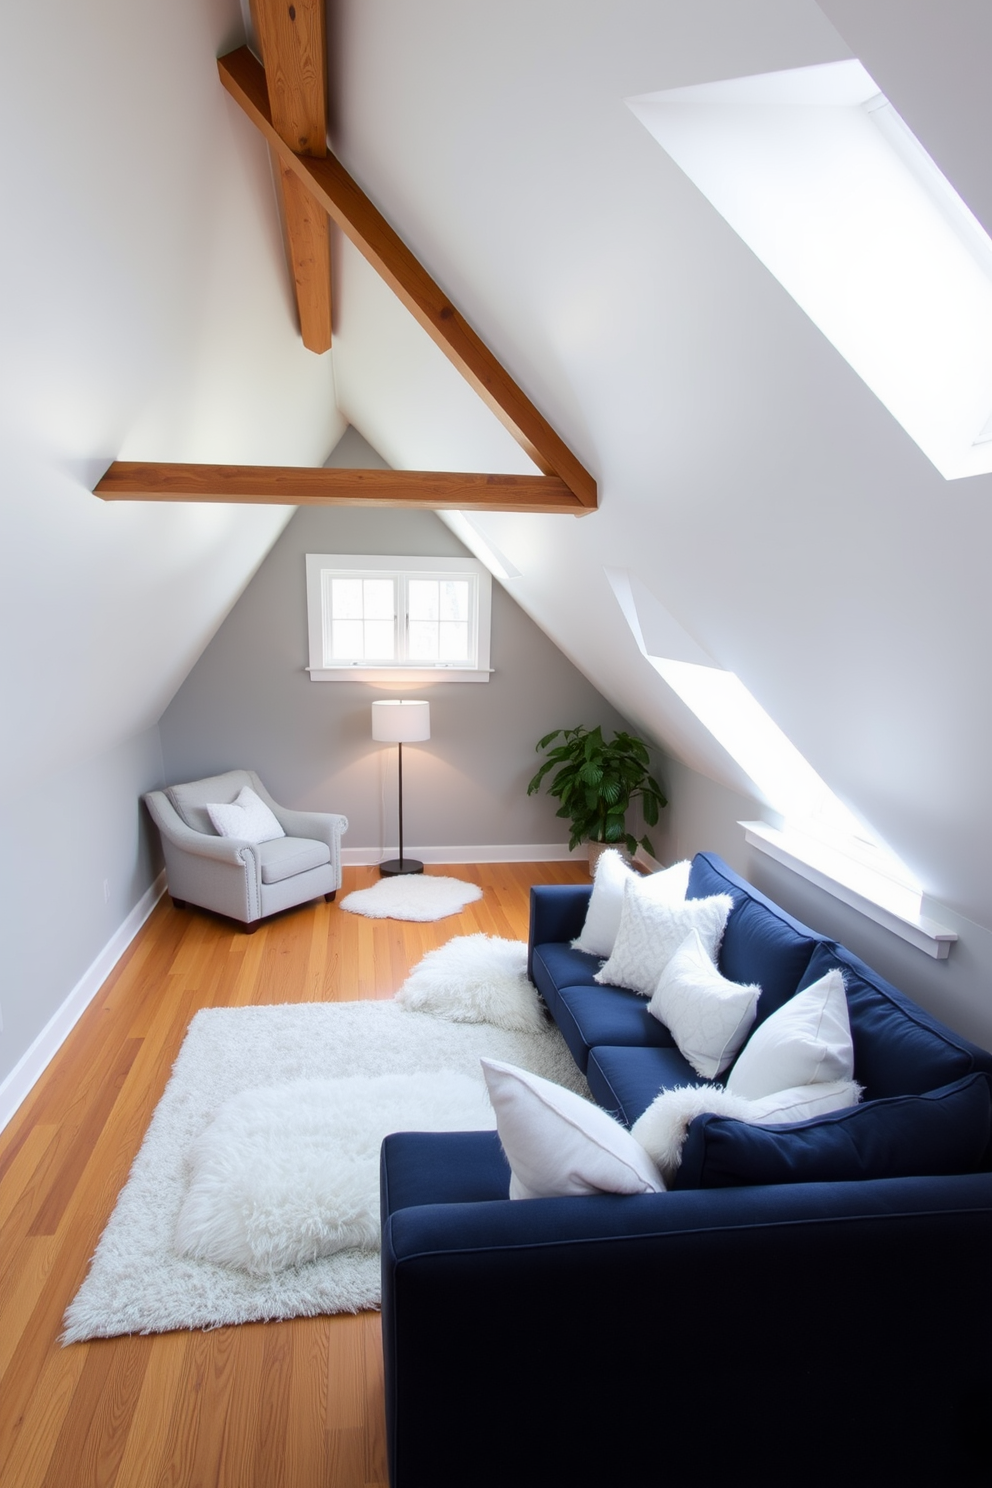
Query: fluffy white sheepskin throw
[284,1175]
[139,1283]
[661,1130]
[412,896]
[476,979]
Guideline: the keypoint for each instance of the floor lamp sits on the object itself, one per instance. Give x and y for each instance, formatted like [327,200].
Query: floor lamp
[401,721]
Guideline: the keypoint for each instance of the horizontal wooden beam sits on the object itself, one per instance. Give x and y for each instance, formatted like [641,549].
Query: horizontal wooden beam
[348,206]
[295,485]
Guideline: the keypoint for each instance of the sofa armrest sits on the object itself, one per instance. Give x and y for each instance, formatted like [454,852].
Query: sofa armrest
[557,913]
[650,1330]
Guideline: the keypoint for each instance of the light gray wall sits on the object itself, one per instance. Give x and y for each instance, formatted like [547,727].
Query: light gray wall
[248,701]
[63,836]
[703,816]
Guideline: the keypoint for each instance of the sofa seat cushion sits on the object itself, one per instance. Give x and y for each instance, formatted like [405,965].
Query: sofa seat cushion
[556,965]
[285,857]
[904,1136]
[588,1016]
[898,1048]
[442,1168]
[625,1081]
[761,943]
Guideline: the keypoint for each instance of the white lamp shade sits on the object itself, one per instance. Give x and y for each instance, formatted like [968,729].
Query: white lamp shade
[401,721]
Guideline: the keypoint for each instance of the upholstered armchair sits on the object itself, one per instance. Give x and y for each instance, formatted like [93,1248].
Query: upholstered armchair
[244,880]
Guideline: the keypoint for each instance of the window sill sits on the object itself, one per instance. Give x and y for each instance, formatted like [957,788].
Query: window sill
[398,676]
[850,883]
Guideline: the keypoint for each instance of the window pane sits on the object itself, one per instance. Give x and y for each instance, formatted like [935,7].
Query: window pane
[454,599]
[422,599]
[378,599]
[346,640]
[380,639]
[423,640]
[453,642]
[346,599]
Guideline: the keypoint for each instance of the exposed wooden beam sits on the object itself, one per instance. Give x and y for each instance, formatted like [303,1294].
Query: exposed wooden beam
[295,485]
[348,206]
[292,38]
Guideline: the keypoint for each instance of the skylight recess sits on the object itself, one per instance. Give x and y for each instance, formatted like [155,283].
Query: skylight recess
[818,174]
[812,813]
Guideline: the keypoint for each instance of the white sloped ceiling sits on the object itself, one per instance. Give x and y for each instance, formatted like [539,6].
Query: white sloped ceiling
[747,477]
[748,480]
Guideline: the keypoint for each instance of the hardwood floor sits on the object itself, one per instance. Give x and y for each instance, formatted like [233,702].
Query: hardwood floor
[268,1405]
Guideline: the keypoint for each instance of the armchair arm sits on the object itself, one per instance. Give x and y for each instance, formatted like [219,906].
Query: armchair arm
[664,1331]
[322,826]
[220,873]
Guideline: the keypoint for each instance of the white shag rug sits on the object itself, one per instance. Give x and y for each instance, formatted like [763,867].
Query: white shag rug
[412,896]
[139,1282]
[476,979]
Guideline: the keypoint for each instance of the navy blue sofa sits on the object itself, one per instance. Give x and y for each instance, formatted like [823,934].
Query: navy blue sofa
[787,1333]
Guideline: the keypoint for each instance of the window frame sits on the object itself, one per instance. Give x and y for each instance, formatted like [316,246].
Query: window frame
[401,569]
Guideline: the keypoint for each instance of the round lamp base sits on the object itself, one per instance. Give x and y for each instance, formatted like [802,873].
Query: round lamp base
[400,865]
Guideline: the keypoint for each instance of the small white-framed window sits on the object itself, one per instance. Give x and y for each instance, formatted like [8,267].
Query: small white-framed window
[407,620]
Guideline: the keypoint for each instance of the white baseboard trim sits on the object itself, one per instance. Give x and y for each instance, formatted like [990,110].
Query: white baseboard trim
[501,852]
[34,1061]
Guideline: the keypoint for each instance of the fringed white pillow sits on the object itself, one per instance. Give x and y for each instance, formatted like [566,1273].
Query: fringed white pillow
[662,1128]
[651,931]
[708,1016]
[602,921]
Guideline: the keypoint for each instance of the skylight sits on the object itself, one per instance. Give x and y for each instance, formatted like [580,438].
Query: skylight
[823,180]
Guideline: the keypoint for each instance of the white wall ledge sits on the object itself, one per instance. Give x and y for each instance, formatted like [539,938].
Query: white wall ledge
[826,870]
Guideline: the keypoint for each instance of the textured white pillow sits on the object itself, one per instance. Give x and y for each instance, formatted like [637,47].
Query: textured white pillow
[558,1144]
[651,931]
[662,1128]
[806,1041]
[247,818]
[606,901]
[708,1016]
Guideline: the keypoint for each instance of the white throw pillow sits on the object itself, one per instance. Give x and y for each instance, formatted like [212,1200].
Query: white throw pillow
[247,818]
[602,921]
[708,1016]
[806,1041]
[651,931]
[661,1129]
[558,1144]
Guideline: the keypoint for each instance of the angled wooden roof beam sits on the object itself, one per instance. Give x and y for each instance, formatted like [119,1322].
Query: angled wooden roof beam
[347,205]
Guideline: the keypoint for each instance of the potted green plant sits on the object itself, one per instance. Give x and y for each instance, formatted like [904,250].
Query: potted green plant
[596,782]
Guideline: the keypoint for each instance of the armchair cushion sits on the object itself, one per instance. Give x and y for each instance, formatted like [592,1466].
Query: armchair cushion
[284,857]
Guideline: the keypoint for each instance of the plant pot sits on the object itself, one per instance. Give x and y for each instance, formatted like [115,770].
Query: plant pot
[594,849]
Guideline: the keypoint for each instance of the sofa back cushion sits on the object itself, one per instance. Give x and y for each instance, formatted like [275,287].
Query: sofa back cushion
[898,1048]
[761,943]
[905,1136]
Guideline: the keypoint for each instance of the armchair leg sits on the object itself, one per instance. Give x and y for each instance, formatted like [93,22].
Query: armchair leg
[250,928]
[179,903]
[331,896]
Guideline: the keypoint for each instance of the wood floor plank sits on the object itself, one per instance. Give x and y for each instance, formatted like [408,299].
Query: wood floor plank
[281,1405]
